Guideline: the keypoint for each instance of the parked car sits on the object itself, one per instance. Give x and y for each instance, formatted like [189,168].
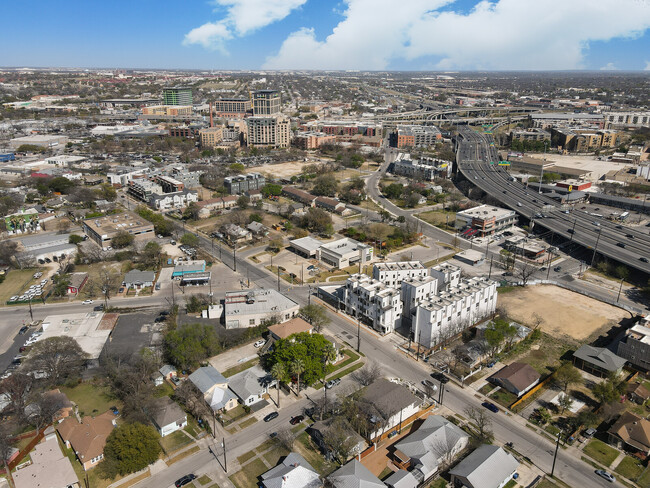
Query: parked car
[271,416]
[557,268]
[23,330]
[490,406]
[259,343]
[430,384]
[87,302]
[606,475]
[188,478]
[297,419]
[440,377]
[590,432]
[99,308]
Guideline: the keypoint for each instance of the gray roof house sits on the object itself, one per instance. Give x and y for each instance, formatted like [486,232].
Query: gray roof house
[167,416]
[437,441]
[486,467]
[402,479]
[318,432]
[137,279]
[214,387]
[597,360]
[354,475]
[388,404]
[292,472]
[517,378]
[250,385]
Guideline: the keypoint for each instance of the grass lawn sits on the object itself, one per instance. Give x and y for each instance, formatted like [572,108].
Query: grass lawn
[90,398]
[644,480]
[545,359]
[510,484]
[182,455]
[174,441]
[503,397]
[247,423]
[267,444]
[247,477]
[486,388]
[192,426]
[163,390]
[440,483]
[306,449]
[385,473]
[273,456]
[629,468]
[340,374]
[16,282]
[204,480]
[439,218]
[246,457]
[601,452]
[240,367]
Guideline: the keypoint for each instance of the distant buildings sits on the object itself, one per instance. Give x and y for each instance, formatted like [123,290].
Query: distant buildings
[46,141]
[312,140]
[635,346]
[268,131]
[627,119]
[167,110]
[233,107]
[414,136]
[533,134]
[163,193]
[178,95]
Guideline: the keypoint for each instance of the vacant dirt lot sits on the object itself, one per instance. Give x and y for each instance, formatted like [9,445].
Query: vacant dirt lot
[564,312]
[282,170]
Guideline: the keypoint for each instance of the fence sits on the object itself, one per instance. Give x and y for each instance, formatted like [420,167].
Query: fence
[531,392]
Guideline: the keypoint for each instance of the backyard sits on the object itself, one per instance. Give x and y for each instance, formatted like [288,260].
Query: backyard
[91,399]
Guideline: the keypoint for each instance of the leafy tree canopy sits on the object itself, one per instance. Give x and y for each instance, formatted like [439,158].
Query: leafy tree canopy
[308,348]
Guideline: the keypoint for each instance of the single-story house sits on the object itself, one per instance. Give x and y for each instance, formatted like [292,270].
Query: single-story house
[437,441]
[402,479]
[138,279]
[516,378]
[354,475]
[293,472]
[214,387]
[251,385]
[77,281]
[87,438]
[631,432]
[598,361]
[637,393]
[294,326]
[168,371]
[257,229]
[49,468]
[319,430]
[184,268]
[235,233]
[254,195]
[486,467]
[388,404]
[167,416]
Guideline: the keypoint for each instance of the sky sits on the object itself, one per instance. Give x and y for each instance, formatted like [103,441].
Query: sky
[419,35]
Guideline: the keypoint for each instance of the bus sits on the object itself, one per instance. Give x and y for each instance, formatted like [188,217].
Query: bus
[624,216]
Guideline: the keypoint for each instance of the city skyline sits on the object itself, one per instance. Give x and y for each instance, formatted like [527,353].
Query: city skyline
[420,35]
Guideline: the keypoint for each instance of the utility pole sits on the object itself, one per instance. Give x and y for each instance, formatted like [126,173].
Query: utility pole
[619,290]
[302,271]
[278,278]
[220,252]
[358,331]
[441,393]
[31,314]
[573,230]
[557,446]
[225,462]
[309,296]
[593,256]
[234,258]
[490,272]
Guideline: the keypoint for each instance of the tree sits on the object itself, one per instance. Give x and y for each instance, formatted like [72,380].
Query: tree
[367,374]
[565,401]
[60,358]
[543,415]
[189,344]
[385,215]
[318,220]
[130,447]
[279,374]
[108,281]
[316,315]
[310,348]
[46,408]
[63,225]
[75,239]
[7,251]
[524,272]
[107,192]
[151,255]
[190,239]
[122,239]
[482,424]
[191,212]
[192,398]
[271,189]
[243,202]
[285,438]
[16,388]
[6,443]
[604,392]
[393,191]
[325,185]
[297,367]
[412,200]
[566,375]
[337,440]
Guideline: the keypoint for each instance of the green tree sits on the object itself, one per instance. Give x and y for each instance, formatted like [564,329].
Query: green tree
[130,447]
[271,189]
[393,191]
[191,212]
[150,255]
[122,239]
[107,192]
[190,239]
[297,367]
[325,185]
[279,374]
[544,415]
[59,357]
[319,221]
[238,167]
[309,348]
[243,202]
[565,402]
[605,392]
[188,345]
[75,239]
[315,315]
[61,184]
[567,374]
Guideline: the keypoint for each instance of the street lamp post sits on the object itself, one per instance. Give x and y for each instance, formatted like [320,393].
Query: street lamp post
[557,446]
[593,256]
[620,290]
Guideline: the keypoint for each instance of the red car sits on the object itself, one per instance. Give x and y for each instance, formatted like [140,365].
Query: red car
[297,419]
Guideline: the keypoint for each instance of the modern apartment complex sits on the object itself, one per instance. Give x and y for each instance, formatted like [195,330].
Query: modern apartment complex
[533,134]
[312,140]
[414,136]
[269,131]
[392,274]
[635,346]
[423,169]
[243,183]
[628,119]
[232,107]
[267,102]
[373,302]
[178,95]
[167,110]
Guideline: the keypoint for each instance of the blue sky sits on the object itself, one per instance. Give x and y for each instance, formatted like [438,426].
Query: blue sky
[321,34]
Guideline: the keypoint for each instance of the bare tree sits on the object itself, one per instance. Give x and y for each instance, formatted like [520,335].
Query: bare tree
[286,439]
[6,446]
[63,225]
[367,374]
[17,387]
[46,409]
[59,358]
[444,449]
[108,281]
[482,424]
[338,441]
[525,272]
[537,320]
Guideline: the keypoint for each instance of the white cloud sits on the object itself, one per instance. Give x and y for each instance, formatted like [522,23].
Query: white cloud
[609,67]
[647,66]
[504,34]
[242,18]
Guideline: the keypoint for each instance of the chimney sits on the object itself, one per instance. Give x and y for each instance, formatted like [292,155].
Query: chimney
[211,114]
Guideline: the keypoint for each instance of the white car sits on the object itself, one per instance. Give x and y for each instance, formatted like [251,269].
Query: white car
[87,302]
[260,343]
[14,298]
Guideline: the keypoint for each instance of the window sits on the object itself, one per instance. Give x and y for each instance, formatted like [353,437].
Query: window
[251,322]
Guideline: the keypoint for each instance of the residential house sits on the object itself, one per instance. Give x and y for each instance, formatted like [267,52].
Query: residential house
[516,378]
[330,204]
[354,475]
[597,360]
[637,393]
[168,371]
[137,279]
[257,229]
[402,479]
[236,234]
[388,404]
[486,467]
[77,281]
[87,438]
[214,387]
[319,431]
[167,416]
[254,195]
[251,385]
[293,472]
[50,468]
[301,196]
[289,328]
[436,442]
[631,432]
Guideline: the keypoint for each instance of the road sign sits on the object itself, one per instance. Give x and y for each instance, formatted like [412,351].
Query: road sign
[570,187]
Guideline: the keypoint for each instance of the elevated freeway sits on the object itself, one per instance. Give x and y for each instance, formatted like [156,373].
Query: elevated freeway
[477,161]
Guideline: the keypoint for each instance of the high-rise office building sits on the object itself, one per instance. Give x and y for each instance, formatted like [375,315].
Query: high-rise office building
[268,131]
[178,95]
[266,102]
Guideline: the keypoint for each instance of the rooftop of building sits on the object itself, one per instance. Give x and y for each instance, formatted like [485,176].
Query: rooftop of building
[255,302]
[486,212]
[117,222]
[399,266]
[640,333]
[343,246]
[89,329]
